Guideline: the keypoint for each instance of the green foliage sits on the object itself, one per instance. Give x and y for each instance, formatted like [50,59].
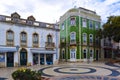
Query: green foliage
[111,28]
[26,74]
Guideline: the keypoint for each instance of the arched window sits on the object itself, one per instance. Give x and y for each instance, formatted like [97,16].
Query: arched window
[35,40]
[10,38]
[49,39]
[91,38]
[23,38]
[72,37]
[72,21]
[84,38]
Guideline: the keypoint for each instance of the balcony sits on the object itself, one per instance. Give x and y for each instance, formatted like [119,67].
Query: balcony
[49,45]
[35,45]
[23,43]
[108,45]
[72,42]
[63,45]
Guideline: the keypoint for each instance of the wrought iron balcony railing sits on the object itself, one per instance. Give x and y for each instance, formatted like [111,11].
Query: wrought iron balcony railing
[49,45]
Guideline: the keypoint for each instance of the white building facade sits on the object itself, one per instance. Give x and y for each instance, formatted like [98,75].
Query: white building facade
[25,42]
[109,49]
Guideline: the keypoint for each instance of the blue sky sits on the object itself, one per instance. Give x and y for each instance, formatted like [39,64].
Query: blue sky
[51,10]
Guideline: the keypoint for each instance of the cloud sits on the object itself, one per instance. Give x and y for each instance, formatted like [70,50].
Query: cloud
[51,10]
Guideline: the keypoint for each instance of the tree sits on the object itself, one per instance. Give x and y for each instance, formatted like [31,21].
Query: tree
[111,28]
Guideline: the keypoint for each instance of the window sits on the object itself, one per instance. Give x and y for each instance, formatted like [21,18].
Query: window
[72,37]
[90,24]
[10,37]
[96,25]
[84,38]
[35,40]
[23,38]
[63,27]
[72,21]
[49,39]
[91,38]
[84,22]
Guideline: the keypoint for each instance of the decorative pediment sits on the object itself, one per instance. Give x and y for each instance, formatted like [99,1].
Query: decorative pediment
[15,15]
[31,18]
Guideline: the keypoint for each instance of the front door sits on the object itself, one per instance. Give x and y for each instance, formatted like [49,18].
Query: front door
[23,57]
[10,59]
[72,55]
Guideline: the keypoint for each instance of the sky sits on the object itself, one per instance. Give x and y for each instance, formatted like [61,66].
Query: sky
[51,10]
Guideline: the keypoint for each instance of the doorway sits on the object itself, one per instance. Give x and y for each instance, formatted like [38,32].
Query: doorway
[49,59]
[23,57]
[42,59]
[35,59]
[72,55]
[10,59]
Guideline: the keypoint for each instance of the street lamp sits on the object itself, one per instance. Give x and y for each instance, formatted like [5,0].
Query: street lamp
[17,48]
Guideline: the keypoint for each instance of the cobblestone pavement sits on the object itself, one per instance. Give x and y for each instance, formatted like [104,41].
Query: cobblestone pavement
[72,71]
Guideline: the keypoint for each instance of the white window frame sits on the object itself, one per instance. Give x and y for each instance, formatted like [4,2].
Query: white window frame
[72,21]
[49,38]
[23,36]
[73,53]
[10,35]
[84,22]
[72,36]
[35,38]
[84,37]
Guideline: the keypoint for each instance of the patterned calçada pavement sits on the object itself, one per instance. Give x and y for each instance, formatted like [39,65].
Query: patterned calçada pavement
[83,72]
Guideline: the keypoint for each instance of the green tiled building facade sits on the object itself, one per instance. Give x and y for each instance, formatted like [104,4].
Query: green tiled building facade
[78,40]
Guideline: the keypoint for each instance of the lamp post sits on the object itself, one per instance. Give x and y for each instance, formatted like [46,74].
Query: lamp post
[17,48]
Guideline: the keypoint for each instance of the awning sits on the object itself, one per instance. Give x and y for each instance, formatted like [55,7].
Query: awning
[7,49]
[43,51]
